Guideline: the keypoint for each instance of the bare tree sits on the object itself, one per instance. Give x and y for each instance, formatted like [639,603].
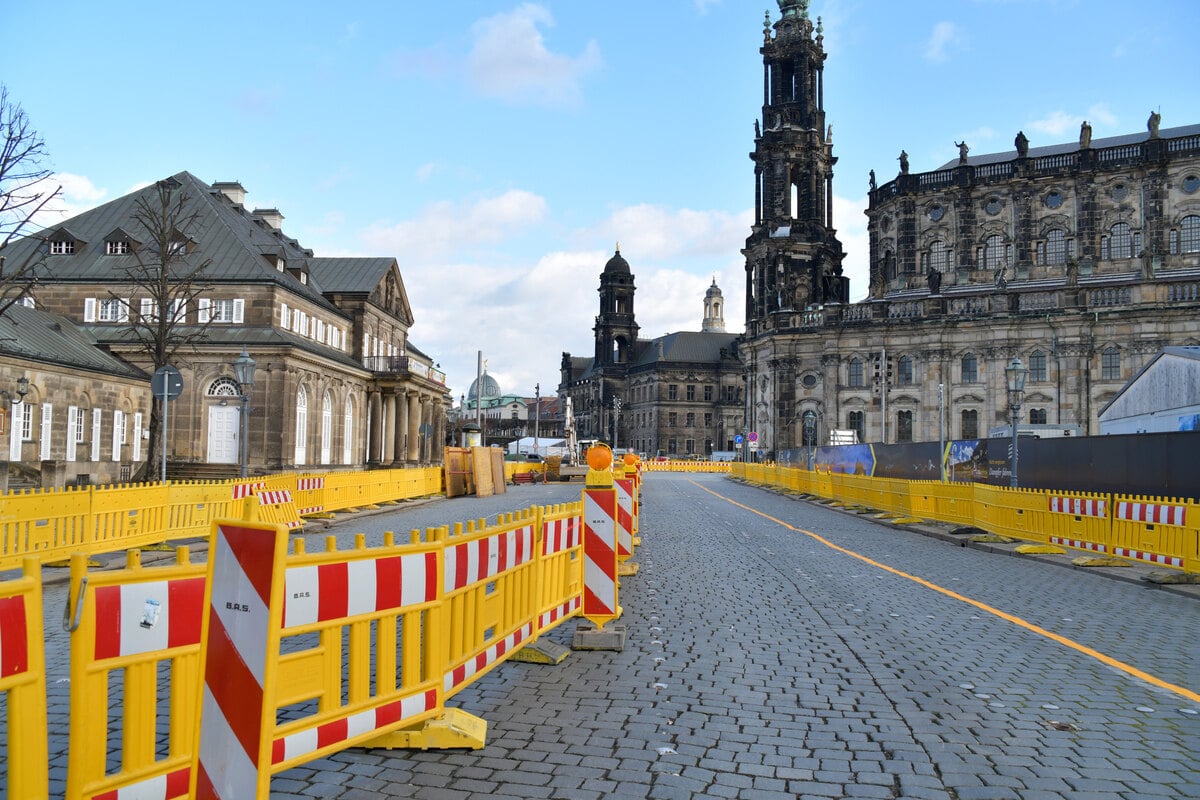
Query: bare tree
[25,191]
[169,272]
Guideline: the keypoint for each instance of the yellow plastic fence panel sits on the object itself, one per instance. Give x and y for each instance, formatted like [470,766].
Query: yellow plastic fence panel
[276,502]
[1020,513]
[850,489]
[358,657]
[135,668]
[309,494]
[1157,530]
[560,565]
[192,506]
[946,502]
[343,490]
[47,524]
[129,515]
[23,682]
[1080,520]
[490,585]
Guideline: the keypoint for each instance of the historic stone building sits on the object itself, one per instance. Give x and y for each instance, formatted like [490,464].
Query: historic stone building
[337,381]
[1082,259]
[677,395]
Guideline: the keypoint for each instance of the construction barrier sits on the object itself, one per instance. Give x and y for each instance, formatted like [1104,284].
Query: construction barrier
[1156,530]
[51,525]
[219,676]
[1081,521]
[600,556]
[687,465]
[23,683]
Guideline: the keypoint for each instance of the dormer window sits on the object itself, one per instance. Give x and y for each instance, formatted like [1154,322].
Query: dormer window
[62,248]
[117,248]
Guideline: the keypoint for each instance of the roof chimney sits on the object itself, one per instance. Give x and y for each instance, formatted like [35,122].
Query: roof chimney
[234,192]
[271,216]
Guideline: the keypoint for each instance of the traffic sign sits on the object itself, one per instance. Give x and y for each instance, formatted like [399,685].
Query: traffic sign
[737,439]
[753,436]
[166,381]
[753,445]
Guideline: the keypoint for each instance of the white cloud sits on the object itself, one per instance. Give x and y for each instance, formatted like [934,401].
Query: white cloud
[447,227]
[945,36]
[1057,124]
[509,60]
[425,171]
[76,194]
[851,226]
[655,232]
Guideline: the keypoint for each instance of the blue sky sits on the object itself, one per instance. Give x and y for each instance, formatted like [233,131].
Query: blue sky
[500,150]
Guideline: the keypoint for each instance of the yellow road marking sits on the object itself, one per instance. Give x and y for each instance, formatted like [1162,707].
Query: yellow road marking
[1128,669]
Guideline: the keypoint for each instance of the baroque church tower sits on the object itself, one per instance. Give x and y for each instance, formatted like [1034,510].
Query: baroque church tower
[714,310]
[793,256]
[616,330]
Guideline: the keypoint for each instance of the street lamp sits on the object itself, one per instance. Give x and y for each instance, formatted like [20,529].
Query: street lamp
[1015,374]
[243,372]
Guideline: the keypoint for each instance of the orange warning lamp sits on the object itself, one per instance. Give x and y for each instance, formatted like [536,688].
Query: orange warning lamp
[599,458]
[631,459]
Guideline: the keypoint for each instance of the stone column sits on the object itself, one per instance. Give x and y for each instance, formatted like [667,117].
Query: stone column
[389,429]
[374,429]
[414,424]
[401,429]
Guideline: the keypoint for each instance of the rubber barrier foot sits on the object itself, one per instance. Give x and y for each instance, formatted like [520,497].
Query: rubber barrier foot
[1040,549]
[1100,561]
[628,568]
[541,652]
[455,728]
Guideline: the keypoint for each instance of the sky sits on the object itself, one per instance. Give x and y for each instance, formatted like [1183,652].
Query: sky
[501,151]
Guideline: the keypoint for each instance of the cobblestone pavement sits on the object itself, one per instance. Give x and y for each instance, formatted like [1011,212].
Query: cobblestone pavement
[761,662]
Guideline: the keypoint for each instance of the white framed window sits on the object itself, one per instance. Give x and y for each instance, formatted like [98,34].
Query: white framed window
[118,437]
[301,426]
[73,421]
[106,309]
[62,248]
[326,428]
[118,248]
[285,316]
[348,432]
[222,310]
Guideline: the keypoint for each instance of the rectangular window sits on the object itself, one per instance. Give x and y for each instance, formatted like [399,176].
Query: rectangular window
[222,310]
[856,373]
[672,419]
[27,423]
[970,424]
[690,445]
[45,433]
[708,394]
[856,421]
[1110,365]
[112,309]
[672,447]
[116,248]
[904,426]
[1037,366]
[970,369]
[690,420]
[62,248]
[672,391]
[691,392]
[708,420]
[1037,416]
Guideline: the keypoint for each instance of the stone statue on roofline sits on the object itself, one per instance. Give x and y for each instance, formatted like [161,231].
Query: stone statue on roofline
[1153,123]
[1085,135]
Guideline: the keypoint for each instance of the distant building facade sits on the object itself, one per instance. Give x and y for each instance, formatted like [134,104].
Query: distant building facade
[337,384]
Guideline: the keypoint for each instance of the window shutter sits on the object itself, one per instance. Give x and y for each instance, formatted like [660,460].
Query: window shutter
[72,431]
[285,319]
[97,416]
[179,310]
[205,309]
[89,310]
[239,310]
[44,436]
[14,438]
[137,437]
[147,310]
[118,424]
[123,310]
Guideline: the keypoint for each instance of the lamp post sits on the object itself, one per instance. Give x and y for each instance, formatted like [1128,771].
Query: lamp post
[1015,375]
[810,436]
[243,373]
[616,402]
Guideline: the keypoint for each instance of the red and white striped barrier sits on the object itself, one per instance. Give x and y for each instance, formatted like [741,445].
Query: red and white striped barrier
[1079,544]
[1157,513]
[625,506]
[559,535]
[348,588]
[310,485]
[1079,506]
[243,490]
[160,787]
[149,616]
[548,618]
[481,559]
[600,556]
[239,653]
[310,740]
[1153,558]
[488,656]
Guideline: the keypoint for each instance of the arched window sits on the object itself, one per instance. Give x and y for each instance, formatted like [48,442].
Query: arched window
[301,426]
[904,426]
[1121,241]
[1110,364]
[348,433]
[326,428]
[970,368]
[1056,246]
[855,377]
[224,387]
[1189,234]
[970,424]
[1037,366]
[1037,416]
[995,252]
[856,421]
[939,256]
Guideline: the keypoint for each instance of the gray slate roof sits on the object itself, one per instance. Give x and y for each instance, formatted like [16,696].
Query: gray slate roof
[51,339]
[1073,147]
[684,346]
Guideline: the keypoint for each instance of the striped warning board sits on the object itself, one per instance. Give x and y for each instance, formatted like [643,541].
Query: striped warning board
[559,535]
[1156,513]
[481,559]
[147,617]
[1152,558]
[239,660]
[1079,544]
[600,556]
[490,655]
[321,592]
[310,494]
[625,510]
[1079,506]
[310,740]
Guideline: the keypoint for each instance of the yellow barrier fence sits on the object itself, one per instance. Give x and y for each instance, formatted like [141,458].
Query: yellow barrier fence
[1157,530]
[23,682]
[135,669]
[560,588]
[687,465]
[1082,521]
[947,502]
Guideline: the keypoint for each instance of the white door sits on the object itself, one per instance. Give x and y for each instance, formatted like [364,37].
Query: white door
[223,429]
